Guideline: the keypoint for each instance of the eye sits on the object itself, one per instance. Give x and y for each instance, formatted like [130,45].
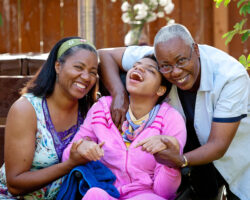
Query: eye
[150,70]
[93,73]
[78,67]
[182,61]
[166,66]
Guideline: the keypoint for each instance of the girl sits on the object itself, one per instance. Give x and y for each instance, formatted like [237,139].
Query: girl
[130,155]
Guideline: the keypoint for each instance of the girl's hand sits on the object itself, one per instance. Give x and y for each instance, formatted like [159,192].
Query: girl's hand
[90,150]
[75,157]
[154,143]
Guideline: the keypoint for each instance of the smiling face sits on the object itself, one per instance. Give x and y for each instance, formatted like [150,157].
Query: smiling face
[77,75]
[175,52]
[144,79]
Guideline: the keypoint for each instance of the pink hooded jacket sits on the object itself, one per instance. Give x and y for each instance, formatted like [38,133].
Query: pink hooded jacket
[136,171]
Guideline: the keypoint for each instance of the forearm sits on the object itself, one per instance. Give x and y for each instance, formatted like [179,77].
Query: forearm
[33,180]
[110,66]
[220,138]
[167,180]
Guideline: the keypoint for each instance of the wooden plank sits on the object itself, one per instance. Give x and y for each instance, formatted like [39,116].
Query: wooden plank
[69,18]
[30,26]
[110,30]
[220,24]
[2,128]
[10,88]
[207,22]
[9,29]
[51,23]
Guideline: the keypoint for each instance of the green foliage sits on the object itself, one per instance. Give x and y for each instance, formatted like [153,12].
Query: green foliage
[238,29]
[245,61]
[244,10]
[226,2]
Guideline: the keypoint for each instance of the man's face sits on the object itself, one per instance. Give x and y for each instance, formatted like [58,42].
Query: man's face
[179,63]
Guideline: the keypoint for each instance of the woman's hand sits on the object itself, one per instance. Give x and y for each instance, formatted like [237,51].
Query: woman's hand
[90,150]
[75,157]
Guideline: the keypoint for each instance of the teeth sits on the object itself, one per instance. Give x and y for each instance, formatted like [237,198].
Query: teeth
[80,85]
[181,80]
[139,75]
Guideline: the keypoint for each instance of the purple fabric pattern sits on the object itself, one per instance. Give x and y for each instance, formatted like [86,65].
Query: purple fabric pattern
[60,139]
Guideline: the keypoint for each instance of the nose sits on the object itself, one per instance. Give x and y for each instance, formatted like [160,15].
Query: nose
[85,75]
[176,71]
[140,68]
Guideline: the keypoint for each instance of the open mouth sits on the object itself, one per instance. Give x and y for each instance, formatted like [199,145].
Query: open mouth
[136,76]
[81,86]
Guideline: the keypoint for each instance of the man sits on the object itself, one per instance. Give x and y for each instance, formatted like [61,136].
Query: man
[211,90]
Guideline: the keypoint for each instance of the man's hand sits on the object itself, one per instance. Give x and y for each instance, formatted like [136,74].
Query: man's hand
[169,156]
[119,108]
[154,143]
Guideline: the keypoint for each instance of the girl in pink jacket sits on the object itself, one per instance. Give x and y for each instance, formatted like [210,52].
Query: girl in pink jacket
[130,154]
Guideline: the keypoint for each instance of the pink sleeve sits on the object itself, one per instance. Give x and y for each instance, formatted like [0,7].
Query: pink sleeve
[84,131]
[166,181]
[174,125]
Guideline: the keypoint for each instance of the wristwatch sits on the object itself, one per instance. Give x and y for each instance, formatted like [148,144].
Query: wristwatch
[185,162]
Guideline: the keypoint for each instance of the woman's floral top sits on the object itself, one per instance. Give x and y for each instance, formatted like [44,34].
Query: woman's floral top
[46,151]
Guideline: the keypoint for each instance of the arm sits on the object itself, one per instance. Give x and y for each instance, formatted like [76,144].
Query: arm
[20,141]
[231,105]
[110,64]
[88,149]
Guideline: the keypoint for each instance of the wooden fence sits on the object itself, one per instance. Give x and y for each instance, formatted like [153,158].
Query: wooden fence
[35,25]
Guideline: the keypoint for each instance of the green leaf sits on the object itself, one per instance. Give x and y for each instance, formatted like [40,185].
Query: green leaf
[245,9]
[218,2]
[243,60]
[226,2]
[248,62]
[240,2]
[245,36]
[229,36]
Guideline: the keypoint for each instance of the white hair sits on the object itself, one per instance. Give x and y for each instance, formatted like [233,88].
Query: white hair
[172,31]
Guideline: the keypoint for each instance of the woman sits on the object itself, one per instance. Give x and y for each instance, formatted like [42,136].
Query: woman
[130,155]
[45,118]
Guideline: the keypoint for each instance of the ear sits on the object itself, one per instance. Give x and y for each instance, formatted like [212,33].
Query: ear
[161,91]
[196,49]
[57,67]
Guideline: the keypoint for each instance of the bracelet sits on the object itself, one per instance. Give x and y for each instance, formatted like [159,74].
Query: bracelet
[185,163]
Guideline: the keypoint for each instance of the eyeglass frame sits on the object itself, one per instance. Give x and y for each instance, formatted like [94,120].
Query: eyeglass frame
[179,66]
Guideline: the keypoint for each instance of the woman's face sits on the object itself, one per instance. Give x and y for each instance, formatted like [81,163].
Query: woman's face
[77,75]
[173,53]
[144,79]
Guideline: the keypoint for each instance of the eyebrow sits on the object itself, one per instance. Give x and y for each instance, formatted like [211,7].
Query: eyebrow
[153,66]
[176,58]
[81,63]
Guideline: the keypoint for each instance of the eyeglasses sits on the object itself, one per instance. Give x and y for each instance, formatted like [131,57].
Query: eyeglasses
[182,62]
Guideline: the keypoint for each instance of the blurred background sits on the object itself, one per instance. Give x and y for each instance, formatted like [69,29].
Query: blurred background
[36,25]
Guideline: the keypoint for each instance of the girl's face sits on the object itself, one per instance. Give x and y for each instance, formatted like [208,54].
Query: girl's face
[77,75]
[144,79]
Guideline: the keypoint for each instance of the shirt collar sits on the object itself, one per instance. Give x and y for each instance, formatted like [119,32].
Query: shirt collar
[206,82]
